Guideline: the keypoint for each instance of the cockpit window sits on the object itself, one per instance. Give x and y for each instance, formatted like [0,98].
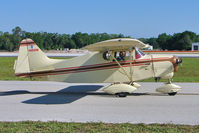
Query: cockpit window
[106,55]
[138,53]
[122,55]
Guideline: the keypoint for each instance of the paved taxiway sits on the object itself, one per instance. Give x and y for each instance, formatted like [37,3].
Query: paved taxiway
[54,101]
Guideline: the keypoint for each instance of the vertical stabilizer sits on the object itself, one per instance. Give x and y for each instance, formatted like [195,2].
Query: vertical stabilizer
[31,59]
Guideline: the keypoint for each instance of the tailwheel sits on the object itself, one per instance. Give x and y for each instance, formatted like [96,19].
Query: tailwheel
[172,93]
[122,94]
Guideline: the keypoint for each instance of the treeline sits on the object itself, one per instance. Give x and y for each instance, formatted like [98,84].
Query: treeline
[48,41]
[178,41]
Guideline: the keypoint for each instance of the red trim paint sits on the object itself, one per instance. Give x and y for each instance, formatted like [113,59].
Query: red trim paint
[76,71]
[33,50]
[146,51]
[22,45]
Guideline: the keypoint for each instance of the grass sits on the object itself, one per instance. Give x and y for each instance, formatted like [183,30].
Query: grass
[188,72]
[7,71]
[36,127]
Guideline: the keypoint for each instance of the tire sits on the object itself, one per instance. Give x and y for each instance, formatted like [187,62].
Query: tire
[121,94]
[172,93]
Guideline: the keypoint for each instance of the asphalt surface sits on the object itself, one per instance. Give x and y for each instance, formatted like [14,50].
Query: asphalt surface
[55,101]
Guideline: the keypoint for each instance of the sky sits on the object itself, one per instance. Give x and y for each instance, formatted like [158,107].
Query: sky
[135,18]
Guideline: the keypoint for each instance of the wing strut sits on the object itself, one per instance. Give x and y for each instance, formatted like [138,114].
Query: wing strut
[131,54]
[124,71]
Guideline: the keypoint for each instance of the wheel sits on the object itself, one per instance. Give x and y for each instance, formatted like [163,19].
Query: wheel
[121,94]
[172,93]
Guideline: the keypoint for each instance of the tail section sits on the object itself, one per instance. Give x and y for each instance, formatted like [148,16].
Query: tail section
[31,59]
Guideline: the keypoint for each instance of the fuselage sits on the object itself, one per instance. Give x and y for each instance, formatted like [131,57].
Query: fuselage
[93,68]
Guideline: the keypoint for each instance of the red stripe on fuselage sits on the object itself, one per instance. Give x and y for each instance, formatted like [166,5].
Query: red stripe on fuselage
[70,71]
[33,50]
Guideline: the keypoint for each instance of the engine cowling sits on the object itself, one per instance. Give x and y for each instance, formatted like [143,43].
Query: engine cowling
[176,61]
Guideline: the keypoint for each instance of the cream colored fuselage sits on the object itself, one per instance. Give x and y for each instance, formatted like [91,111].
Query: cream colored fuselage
[117,61]
[93,68]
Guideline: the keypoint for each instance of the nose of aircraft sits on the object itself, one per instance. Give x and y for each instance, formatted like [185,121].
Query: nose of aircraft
[176,62]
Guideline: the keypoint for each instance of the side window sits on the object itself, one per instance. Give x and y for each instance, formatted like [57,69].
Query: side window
[106,55]
[120,56]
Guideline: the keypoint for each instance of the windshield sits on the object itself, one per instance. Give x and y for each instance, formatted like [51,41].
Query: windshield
[138,53]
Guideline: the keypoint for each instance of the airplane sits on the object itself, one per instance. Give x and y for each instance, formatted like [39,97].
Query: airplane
[117,61]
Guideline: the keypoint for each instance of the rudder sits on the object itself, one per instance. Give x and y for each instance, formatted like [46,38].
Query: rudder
[31,59]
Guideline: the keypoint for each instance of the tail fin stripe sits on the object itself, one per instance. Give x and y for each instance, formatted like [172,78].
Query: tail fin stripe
[24,44]
[33,50]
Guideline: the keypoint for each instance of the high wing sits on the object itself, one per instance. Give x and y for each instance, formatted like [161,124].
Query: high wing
[119,44]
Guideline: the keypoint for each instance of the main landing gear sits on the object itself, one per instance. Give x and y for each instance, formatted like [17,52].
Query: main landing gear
[121,94]
[169,88]
[172,93]
[121,89]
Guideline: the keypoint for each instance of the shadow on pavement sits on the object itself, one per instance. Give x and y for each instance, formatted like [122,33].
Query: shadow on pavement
[64,96]
[71,94]
[15,92]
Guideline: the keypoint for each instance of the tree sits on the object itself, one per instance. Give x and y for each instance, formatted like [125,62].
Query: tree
[66,41]
[163,41]
[6,44]
[78,39]
[17,35]
[153,42]
[180,41]
[10,42]
[47,41]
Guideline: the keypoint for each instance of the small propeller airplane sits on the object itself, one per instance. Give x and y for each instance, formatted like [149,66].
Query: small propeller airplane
[116,61]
